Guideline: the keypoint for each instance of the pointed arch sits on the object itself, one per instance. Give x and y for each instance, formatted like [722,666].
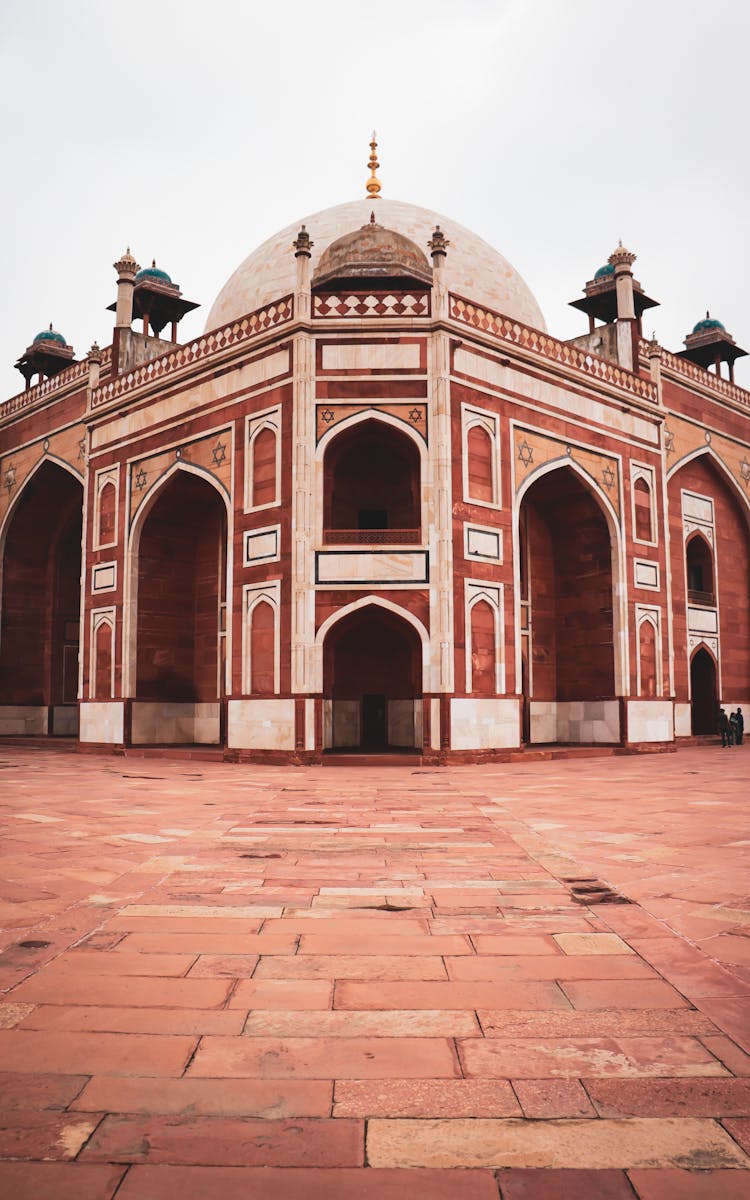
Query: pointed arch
[130,597]
[620,637]
[723,471]
[366,602]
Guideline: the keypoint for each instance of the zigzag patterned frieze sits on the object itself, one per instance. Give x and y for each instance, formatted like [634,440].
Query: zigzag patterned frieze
[376,304]
[192,352]
[705,379]
[561,352]
[49,387]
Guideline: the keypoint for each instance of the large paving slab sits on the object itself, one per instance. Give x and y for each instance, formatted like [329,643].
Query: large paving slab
[355,984]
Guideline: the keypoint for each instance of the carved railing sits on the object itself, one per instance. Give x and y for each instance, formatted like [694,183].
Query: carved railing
[374,304]
[372,537]
[548,347]
[49,387]
[705,379]
[192,352]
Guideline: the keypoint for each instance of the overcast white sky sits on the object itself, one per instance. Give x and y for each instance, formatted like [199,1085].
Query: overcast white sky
[191,131]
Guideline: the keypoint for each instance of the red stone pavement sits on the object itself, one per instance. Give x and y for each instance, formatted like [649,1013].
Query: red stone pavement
[269,982]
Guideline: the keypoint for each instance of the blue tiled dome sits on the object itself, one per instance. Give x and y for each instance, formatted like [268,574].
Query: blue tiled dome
[604,271]
[153,272]
[708,323]
[50,335]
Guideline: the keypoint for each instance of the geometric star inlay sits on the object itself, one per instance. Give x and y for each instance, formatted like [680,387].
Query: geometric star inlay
[326,416]
[526,453]
[219,453]
[608,477]
[10,478]
[140,479]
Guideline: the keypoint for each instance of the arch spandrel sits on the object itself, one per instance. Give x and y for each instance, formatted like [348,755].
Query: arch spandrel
[410,416]
[685,441]
[210,456]
[532,450]
[66,449]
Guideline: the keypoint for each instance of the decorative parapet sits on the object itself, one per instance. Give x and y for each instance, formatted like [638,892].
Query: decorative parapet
[549,348]
[193,352]
[721,388]
[376,304]
[64,381]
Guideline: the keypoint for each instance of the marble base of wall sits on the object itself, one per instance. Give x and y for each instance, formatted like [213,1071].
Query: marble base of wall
[102,722]
[484,724]
[260,724]
[683,725]
[23,720]
[580,721]
[650,721]
[154,724]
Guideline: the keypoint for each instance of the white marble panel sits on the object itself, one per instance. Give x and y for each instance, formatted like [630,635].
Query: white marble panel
[702,620]
[345,723]
[401,722]
[368,356]
[434,724]
[309,724]
[543,721]
[484,724]
[486,544]
[260,724]
[586,407]
[65,720]
[155,723]
[646,574]
[650,721]
[699,508]
[588,721]
[23,720]
[261,545]
[683,725]
[104,577]
[371,567]
[102,722]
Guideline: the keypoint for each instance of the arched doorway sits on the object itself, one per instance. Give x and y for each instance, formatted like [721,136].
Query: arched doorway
[180,659]
[372,488]
[567,613]
[41,605]
[703,698]
[372,682]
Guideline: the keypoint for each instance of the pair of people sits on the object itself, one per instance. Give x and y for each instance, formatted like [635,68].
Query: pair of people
[731,727]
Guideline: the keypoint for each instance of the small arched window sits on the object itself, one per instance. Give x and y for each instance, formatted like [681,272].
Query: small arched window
[700,571]
[103,660]
[647,658]
[480,465]
[262,649]
[643,521]
[107,515]
[263,468]
[482,649]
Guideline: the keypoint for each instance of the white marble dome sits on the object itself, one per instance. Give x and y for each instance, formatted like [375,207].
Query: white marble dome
[473,268]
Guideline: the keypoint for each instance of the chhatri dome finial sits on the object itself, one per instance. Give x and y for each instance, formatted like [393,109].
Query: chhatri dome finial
[373,183]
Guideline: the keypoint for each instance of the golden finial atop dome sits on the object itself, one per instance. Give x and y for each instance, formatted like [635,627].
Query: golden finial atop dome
[373,183]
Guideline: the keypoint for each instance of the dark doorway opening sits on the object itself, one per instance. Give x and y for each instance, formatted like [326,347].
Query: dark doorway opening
[374,724]
[704,704]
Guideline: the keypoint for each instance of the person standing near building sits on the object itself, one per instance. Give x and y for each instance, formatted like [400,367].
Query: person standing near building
[733,729]
[739,726]
[725,729]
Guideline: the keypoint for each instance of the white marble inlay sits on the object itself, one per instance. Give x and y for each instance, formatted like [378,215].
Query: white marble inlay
[364,356]
[371,567]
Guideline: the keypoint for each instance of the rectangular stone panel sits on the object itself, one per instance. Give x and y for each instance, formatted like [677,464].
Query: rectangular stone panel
[368,567]
[371,357]
[484,724]
[650,721]
[702,620]
[261,724]
[484,543]
[262,545]
[646,573]
[104,577]
[102,722]
[698,508]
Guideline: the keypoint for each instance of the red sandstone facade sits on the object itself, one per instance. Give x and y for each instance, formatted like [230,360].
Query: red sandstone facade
[375,512]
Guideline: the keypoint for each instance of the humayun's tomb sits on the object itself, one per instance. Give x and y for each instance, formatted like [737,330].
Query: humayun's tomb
[375,507]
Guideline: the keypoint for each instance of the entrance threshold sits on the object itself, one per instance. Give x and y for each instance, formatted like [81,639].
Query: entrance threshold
[364,756]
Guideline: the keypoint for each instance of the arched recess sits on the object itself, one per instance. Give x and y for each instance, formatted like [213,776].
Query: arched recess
[699,566]
[40,610]
[263,663]
[177,584]
[263,451]
[704,699]
[102,662]
[648,659]
[372,680]
[107,515]
[482,652]
[570,591]
[370,477]
[706,501]
[480,452]
[643,510]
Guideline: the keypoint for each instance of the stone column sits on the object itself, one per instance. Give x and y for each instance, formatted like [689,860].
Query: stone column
[441,516]
[622,260]
[127,269]
[303,556]
[302,249]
